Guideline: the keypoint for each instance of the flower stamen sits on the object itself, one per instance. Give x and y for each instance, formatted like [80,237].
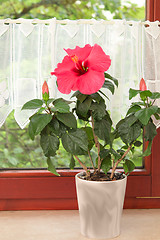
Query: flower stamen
[78,64]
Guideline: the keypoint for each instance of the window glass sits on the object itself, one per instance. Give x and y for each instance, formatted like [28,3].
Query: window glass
[16,149]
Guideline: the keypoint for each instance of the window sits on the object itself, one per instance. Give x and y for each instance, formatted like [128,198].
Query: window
[41,190]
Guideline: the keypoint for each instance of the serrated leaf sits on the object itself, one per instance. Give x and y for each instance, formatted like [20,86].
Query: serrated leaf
[50,100]
[145,94]
[127,133]
[75,94]
[31,132]
[134,108]
[150,131]
[49,144]
[37,123]
[96,97]
[106,164]
[89,132]
[98,110]
[61,105]
[147,152]
[109,85]
[51,167]
[41,110]
[75,142]
[133,93]
[144,114]
[102,129]
[155,95]
[103,94]
[111,78]
[33,104]
[128,166]
[67,119]
[82,108]
[104,153]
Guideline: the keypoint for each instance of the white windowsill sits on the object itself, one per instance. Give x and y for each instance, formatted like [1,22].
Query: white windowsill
[143,224]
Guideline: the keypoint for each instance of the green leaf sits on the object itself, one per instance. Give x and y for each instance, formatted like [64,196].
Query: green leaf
[72,163]
[89,132]
[61,105]
[111,78]
[137,143]
[103,94]
[148,150]
[138,103]
[49,144]
[144,114]
[96,96]
[50,100]
[31,132]
[134,108]
[51,167]
[82,108]
[109,85]
[128,166]
[102,129]
[12,160]
[145,94]
[41,110]
[37,123]
[150,131]
[67,119]
[104,153]
[157,116]
[133,93]
[106,164]
[128,133]
[33,104]
[54,126]
[98,110]
[75,142]
[57,127]
[155,95]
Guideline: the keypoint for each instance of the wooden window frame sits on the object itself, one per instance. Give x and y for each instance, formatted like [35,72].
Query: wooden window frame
[39,189]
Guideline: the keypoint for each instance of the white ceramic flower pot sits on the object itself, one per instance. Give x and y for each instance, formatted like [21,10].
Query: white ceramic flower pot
[100,207]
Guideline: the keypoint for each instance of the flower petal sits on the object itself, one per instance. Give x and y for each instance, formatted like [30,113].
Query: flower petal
[81,53]
[90,82]
[98,60]
[142,85]
[67,81]
[45,88]
[66,65]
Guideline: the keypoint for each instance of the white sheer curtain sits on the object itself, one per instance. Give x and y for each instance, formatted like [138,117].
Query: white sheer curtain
[31,49]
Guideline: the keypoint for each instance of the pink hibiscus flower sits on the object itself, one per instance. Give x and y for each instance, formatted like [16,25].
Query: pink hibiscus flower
[82,69]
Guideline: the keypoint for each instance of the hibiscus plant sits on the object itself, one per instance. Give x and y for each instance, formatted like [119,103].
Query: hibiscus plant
[88,126]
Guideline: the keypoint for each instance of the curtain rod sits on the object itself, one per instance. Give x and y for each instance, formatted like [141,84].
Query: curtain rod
[66,21]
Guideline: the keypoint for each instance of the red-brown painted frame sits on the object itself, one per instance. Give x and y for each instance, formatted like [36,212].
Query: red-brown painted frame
[35,190]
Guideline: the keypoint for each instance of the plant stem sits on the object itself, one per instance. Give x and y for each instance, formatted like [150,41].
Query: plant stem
[119,160]
[83,166]
[96,144]
[91,161]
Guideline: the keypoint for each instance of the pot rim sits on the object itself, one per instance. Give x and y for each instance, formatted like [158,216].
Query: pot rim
[99,182]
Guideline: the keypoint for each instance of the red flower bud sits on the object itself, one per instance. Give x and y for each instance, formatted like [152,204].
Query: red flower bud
[142,85]
[45,88]
[45,91]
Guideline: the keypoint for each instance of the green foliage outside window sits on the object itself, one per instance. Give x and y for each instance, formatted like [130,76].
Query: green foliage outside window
[16,149]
